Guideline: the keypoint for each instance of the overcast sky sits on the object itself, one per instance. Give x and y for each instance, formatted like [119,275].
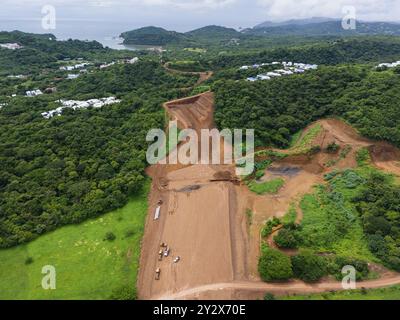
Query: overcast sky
[183,15]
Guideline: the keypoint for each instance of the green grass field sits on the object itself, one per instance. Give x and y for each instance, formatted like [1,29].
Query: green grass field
[87,266]
[270,187]
[392,293]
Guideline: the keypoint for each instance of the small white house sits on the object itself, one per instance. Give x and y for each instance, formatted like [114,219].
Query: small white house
[263,77]
[72,76]
[34,93]
[273,74]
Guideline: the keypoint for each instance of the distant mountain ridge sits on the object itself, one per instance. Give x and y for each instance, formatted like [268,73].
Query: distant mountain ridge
[322,27]
[316,26]
[312,20]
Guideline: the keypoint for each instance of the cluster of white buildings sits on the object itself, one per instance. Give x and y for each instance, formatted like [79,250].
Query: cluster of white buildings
[10,46]
[75,67]
[75,104]
[107,65]
[72,76]
[18,76]
[389,65]
[288,69]
[34,93]
[128,61]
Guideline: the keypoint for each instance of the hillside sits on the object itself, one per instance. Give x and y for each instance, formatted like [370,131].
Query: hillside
[324,28]
[153,36]
[214,32]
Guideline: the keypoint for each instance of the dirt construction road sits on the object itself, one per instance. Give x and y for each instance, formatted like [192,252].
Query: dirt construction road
[199,219]
[203,216]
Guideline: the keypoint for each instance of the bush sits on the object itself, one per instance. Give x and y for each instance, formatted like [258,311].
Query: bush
[110,236]
[314,150]
[309,267]
[287,239]
[332,148]
[129,233]
[124,293]
[268,227]
[29,260]
[360,266]
[269,297]
[274,265]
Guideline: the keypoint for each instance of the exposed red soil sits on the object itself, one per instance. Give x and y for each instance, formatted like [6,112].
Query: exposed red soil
[203,216]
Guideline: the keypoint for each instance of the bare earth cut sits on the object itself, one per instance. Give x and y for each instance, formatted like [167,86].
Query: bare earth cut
[203,222]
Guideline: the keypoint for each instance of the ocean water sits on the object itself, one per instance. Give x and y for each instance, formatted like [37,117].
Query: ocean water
[105,32]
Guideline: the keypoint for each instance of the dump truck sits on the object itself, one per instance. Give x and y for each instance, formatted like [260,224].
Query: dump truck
[166,252]
[158,273]
[160,255]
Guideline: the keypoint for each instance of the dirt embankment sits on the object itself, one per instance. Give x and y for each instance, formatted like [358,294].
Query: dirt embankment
[203,214]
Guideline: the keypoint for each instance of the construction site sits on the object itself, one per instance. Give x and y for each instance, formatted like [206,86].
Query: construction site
[198,243]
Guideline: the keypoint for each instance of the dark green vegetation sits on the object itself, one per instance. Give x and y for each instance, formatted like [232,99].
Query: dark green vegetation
[392,293]
[153,36]
[41,52]
[84,163]
[351,220]
[274,265]
[378,204]
[209,35]
[359,94]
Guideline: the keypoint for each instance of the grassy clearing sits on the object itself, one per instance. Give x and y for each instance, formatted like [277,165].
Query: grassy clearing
[295,139]
[270,187]
[331,223]
[87,266]
[303,144]
[392,293]
[290,216]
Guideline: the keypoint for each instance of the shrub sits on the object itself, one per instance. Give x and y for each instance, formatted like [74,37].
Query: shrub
[269,297]
[287,239]
[362,270]
[124,293]
[28,260]
[269,225]
[309,267]
[129,233]
[274,265]
[363,156]
[314,150]
[110,236]
[332,148]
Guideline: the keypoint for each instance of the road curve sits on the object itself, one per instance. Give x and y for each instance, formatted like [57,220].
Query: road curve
[279,288]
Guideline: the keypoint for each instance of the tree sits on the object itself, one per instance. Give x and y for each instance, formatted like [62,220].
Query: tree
[274,265]
[286,238]
[308,266]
